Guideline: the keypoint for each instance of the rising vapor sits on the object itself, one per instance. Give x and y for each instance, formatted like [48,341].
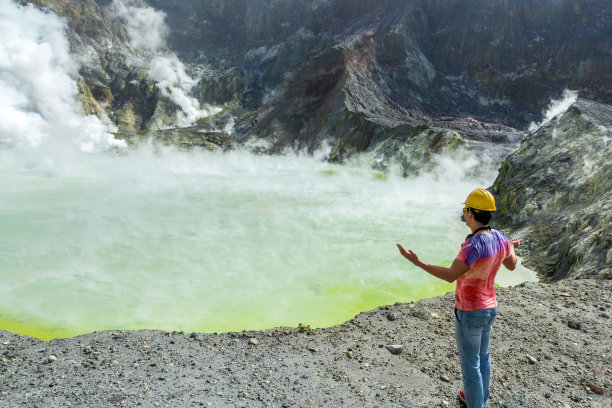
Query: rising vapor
[147,30]
[37,84]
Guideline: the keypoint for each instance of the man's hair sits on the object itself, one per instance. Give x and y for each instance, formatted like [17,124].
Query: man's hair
[483,217]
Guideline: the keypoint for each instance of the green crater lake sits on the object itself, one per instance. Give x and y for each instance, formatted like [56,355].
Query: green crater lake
[215,242]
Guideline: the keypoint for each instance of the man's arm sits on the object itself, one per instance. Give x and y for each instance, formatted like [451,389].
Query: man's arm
[510,262]
[451,274]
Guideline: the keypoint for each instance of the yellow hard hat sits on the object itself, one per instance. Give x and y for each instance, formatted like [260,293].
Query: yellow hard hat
[480,199]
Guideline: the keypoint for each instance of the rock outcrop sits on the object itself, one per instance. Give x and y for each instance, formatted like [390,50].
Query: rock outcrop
[299,74]
[555,191]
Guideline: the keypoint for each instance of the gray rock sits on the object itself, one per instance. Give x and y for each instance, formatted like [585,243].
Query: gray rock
[392,316]
[445,378]
[395,349]
[555,192]
[421,314]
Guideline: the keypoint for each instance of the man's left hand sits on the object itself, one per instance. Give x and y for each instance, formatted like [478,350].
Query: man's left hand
[409,255]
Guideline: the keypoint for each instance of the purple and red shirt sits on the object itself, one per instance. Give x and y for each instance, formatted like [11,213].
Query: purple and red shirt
[484,254]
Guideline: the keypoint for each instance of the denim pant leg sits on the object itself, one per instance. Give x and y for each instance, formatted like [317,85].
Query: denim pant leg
[485,358]
[472,333]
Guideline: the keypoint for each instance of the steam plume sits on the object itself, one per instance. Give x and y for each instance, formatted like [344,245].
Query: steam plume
[147,30]
[556,107]
[37,85]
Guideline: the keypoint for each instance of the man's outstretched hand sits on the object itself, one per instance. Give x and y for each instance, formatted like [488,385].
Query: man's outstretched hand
[409,255]
[516,242]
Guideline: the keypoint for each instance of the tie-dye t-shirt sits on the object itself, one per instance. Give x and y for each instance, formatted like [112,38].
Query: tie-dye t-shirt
[484,254]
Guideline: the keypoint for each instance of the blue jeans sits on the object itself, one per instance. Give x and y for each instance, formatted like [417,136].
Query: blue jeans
[472,333]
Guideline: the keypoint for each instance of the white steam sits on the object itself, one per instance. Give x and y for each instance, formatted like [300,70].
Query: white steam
[37,87]
[175,84]
[556,107]
[147,30]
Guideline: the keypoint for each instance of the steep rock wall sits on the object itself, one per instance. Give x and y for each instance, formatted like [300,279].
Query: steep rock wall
[555,191]
[448,62]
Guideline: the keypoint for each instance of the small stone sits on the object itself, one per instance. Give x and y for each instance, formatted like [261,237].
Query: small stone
[6,343]
[573,325]
[605,316]
[445,403]
[392,316]
[532,359]
[575,397]
[349,354]
[395,349]
[548,395]
[565,294]
[253,341]
[51,359]
[434,315]
[365,379]
[420,314]
[445,378]
[595,389]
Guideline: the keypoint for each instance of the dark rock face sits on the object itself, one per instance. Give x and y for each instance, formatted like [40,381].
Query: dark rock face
[350,73]
[496,60]
[555,191]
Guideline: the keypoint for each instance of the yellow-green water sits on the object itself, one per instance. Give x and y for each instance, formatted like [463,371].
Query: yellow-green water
[214,242]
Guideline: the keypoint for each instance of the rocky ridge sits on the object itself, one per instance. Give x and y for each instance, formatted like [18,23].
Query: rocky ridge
[550,348]
[555,191]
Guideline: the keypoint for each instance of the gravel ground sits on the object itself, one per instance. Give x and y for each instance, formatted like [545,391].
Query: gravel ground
[551,347]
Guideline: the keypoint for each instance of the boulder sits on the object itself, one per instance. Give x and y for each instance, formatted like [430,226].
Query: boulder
[555,192]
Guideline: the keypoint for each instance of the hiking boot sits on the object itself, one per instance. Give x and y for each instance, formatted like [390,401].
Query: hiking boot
[462,396]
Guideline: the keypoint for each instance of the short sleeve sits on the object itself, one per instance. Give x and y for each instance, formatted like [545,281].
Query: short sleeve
[466,254]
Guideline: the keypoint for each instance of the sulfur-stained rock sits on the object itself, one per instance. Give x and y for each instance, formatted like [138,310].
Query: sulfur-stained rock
[555,192]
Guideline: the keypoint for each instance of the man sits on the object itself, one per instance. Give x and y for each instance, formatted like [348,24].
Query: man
[474,269]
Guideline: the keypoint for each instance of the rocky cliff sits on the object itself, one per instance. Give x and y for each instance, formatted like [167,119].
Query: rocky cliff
[555,191]
[349,74]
